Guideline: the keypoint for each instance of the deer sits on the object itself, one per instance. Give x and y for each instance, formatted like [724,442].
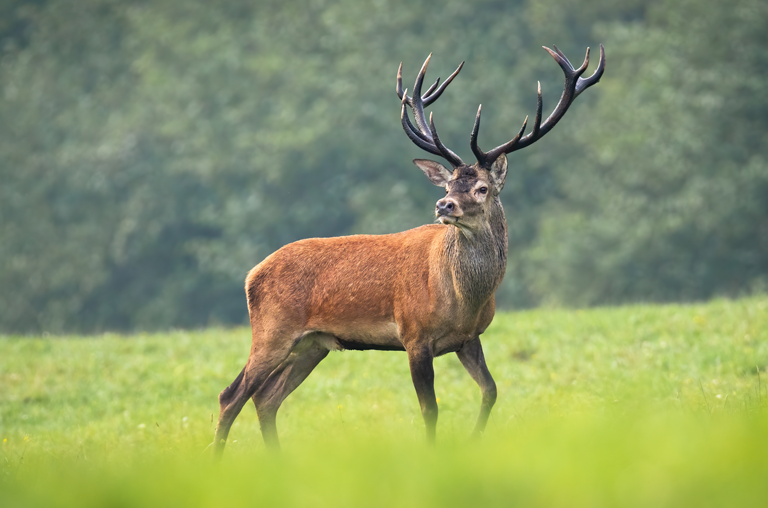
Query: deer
[427,291]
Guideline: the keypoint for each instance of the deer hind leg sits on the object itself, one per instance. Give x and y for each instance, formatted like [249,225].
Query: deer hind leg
[423,375]
[282,382]
[260,365]
[472,358]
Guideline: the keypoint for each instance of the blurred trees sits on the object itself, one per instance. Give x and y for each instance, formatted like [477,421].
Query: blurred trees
[668,198]
[153,152]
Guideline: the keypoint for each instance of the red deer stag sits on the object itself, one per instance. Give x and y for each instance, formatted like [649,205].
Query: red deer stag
[427,291]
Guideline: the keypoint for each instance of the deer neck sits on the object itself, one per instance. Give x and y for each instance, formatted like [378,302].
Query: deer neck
[477,258]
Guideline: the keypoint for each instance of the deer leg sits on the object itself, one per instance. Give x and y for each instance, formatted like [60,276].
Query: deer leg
[280,383]
[472,358]
[234,397]
[231,402]
[423,375]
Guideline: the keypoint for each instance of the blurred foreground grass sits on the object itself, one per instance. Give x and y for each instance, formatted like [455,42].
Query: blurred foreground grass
[632,406]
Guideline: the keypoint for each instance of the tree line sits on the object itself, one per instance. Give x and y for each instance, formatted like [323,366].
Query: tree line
[151,153]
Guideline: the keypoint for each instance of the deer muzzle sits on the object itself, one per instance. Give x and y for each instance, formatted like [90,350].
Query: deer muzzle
[448,209]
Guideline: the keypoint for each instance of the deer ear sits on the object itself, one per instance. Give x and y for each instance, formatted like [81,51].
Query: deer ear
[499,172]
[436,172]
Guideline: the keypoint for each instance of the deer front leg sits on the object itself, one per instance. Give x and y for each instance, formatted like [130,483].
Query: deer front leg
[472,358]
[423,375]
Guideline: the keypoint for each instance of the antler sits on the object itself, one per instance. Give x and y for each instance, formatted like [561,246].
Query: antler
[425,136]
[574,85]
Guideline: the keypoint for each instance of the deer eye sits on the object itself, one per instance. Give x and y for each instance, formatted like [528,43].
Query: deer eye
[483,190]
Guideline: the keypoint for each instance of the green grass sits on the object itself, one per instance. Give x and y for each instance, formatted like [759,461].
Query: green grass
[633,406]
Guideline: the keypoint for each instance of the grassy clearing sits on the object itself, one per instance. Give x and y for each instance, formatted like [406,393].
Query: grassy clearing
[634,406]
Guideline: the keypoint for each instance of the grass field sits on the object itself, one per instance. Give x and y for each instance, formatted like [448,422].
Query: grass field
[633,406]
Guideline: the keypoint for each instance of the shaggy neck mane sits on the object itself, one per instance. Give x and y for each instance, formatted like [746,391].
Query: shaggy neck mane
[477,258]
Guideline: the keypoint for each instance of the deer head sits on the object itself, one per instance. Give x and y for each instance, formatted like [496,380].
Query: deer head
[471,190]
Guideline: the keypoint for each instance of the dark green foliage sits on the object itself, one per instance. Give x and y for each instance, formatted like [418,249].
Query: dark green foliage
[153,152]
[667,197]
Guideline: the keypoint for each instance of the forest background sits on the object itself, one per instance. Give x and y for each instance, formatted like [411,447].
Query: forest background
[152,152]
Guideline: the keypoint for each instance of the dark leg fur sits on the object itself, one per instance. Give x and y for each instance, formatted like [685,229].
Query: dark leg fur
[226,395]
[423,375]
[231,402]
[472,358]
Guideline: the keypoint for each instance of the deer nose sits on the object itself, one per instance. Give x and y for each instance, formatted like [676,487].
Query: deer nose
[445,207]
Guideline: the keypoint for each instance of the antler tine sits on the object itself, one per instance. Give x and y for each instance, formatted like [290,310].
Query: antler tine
[539,108]
[399,87]
[566,65]
[585,64]
[429,99]
[420,77]
[508,147]
[451,157]
[416,102]
[584,83]
[484,158]
[473,137]
[573,86]
[431,88]
[559,53]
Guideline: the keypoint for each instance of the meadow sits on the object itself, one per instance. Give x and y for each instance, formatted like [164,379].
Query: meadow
[657,405]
